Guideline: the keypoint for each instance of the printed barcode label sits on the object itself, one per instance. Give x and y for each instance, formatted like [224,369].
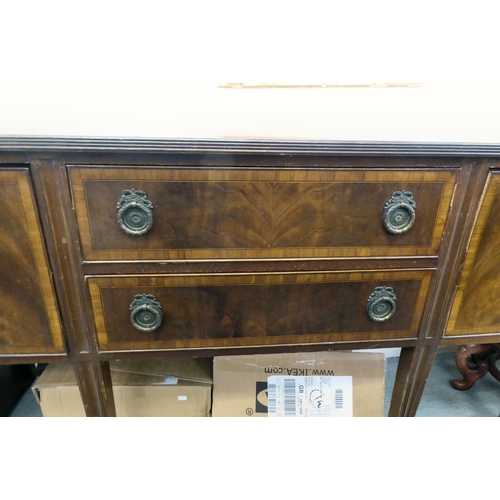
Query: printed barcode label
[310,396]
[271,398]
[290,399]
[339,399]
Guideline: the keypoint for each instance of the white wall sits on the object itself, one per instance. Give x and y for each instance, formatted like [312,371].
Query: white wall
[427,112]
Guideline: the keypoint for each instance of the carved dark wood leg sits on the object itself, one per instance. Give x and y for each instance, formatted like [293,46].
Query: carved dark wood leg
[492,360]
[474,362]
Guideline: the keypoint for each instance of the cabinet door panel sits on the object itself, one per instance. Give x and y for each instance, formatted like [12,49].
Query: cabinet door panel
[29,321]
[476,308]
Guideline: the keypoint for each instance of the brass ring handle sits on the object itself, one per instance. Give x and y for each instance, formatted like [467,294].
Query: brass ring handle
[399,212]
[135,212]
[146,313]
[381,304]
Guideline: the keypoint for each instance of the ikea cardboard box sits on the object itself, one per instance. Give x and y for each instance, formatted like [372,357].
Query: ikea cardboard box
[158,388]
[240,382]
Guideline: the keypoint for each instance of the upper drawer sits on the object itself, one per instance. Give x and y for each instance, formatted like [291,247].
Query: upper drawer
[192,213]
[29,320]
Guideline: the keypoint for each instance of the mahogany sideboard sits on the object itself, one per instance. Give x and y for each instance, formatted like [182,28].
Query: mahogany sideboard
[134,248]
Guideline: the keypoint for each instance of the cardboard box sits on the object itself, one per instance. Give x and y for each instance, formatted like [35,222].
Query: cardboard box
[158,388]
[240,382]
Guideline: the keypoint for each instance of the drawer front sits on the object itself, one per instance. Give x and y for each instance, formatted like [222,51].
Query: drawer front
[476,308]
[29,322]
[189,312]
[171,213]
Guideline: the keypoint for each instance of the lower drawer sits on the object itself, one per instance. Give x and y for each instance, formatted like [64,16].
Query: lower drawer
[205,311]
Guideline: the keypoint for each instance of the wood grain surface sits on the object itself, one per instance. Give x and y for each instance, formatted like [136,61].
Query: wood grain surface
[258,214]
[476,308]
[247,310]
[29,323]
[256,246]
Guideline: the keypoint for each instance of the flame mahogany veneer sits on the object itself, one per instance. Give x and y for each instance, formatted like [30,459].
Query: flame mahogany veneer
[135,249]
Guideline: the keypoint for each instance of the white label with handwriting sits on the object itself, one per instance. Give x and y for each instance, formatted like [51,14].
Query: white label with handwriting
[309,396]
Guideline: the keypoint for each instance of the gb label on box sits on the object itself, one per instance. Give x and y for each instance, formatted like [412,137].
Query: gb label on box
[310,396]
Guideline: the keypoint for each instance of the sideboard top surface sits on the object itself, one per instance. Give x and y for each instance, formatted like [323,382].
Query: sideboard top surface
[69,144]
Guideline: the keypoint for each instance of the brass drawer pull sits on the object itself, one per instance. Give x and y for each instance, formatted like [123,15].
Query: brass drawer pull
[135,212]
[399,212]
[146,315]
[381,304]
